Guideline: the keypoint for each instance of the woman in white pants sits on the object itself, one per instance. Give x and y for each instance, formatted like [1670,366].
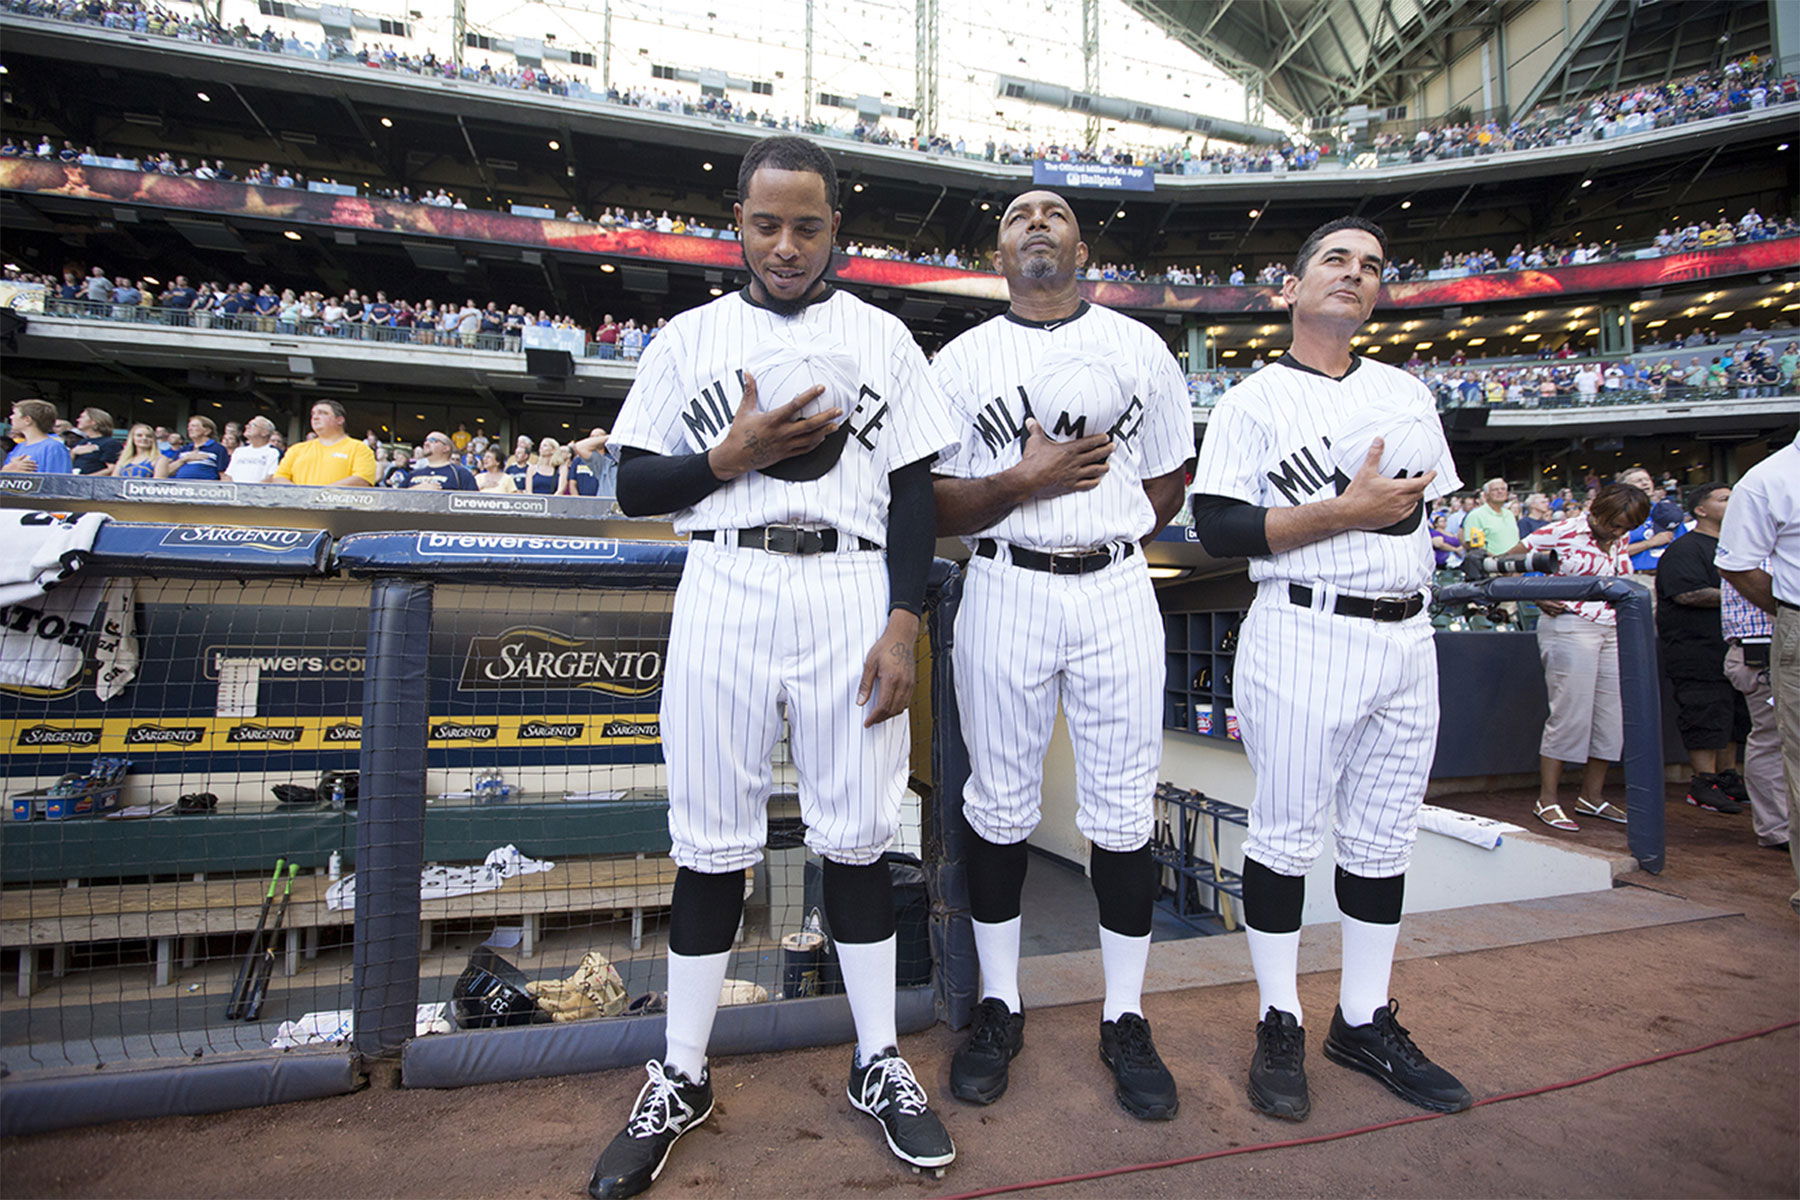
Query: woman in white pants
[1578,644]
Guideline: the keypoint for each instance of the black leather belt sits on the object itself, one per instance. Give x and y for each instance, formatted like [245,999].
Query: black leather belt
[1786,604]
[1373,608]
[788,539]
[1055,564]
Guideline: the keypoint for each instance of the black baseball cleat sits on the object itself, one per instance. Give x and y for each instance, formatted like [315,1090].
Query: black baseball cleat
[1143,1086]
[1382,1049]
[887,1090]
[978,1073]
[1705,791]
[669,1105]
[1278,1068]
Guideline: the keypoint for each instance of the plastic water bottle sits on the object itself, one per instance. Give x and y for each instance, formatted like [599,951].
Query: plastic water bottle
[337,793]
[334,868]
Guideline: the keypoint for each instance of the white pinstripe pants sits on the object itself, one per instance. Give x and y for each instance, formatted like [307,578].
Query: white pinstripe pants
[750,631]
[1340,715]
[1024,640]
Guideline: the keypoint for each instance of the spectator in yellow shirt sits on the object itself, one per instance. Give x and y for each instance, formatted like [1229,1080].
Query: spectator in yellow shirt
[331,457]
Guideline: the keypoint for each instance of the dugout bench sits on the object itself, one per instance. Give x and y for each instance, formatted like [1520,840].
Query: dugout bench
[56,917]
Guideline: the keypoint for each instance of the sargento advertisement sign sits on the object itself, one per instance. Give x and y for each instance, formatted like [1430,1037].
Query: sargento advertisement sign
[251,734]
[528,657]
[248,537]
[342,735]
[46,736]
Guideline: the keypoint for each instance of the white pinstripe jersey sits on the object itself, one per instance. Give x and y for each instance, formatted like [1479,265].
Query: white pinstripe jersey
[688,388]
[1268,443]
[983,373]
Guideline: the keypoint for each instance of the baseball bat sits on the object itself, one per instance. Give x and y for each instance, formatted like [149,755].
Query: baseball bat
[265,966]
[236,1008]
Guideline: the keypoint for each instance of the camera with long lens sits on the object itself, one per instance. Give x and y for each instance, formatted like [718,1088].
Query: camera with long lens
[1477,567]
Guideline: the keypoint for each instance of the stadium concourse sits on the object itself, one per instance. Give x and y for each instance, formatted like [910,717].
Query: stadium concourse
[257,256]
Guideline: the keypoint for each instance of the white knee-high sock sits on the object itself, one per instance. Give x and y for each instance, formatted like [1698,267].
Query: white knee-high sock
[997,946]
[1275,957]
[694,983]
[868,969]
[1123,958]
[1368,960]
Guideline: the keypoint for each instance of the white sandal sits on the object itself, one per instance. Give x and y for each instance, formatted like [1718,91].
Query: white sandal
[1554,816]
[1606,810]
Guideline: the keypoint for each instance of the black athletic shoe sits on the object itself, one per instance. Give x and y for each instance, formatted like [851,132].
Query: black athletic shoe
[887,1090]
[1278,1067]
[1143,1086]
[669,1105]
[978,1073]
[1733,785]
[1704,792]
[1382,1049]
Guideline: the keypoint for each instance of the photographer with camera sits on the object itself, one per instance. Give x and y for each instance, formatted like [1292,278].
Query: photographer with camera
[1579,646]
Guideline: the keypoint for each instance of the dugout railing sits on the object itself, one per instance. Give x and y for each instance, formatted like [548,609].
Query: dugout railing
[450,743]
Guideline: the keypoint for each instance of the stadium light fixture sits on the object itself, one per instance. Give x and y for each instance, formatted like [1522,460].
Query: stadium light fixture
[1254,213]
[555,145]
[1720,316]
[1167,572]
[387,122]
[1587,183]
[608,268]
[985,206]
[1120,214]
[1423,346]
[1531,337]
[1779,149]
[706,166]
[204,98]
[151,279]
[1405,204]
[292,235]
[1477,341]
[856,187]
[1657,324]
[716,291]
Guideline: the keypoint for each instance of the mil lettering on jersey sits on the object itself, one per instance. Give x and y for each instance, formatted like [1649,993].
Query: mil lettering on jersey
[1299,475]
[997,425]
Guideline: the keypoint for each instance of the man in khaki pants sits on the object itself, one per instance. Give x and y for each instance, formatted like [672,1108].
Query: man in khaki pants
[1763,522]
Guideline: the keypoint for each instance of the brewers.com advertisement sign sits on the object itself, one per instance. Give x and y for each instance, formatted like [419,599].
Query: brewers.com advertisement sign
[519,687]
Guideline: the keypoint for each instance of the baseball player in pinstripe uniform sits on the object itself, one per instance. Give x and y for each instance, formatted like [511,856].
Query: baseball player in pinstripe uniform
[1336,675]
[1076,433]
[811,536]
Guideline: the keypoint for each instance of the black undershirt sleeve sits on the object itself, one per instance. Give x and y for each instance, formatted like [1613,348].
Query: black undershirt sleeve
[911,535]
[1229,528]
[651,484]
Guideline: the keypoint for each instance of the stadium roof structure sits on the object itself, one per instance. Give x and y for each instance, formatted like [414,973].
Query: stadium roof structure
[1314,58]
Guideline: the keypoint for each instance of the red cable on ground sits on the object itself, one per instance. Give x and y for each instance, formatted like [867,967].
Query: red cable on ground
[1349,1133]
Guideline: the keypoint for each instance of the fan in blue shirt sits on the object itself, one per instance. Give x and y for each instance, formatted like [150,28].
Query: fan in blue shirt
[204,457]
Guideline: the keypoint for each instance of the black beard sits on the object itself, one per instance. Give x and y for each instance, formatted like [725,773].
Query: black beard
[784,308]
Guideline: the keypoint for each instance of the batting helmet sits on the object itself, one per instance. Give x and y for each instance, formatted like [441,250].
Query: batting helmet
[787,366]
[491,993]
[1076,393]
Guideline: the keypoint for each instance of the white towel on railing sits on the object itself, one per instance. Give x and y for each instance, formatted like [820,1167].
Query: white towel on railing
[440,883]
[39,548]
[44,638]
[1466,827]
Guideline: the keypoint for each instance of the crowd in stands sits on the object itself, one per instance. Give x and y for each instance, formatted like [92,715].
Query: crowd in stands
[1746,370]
[354,314]
[1743,85]
[39,441]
